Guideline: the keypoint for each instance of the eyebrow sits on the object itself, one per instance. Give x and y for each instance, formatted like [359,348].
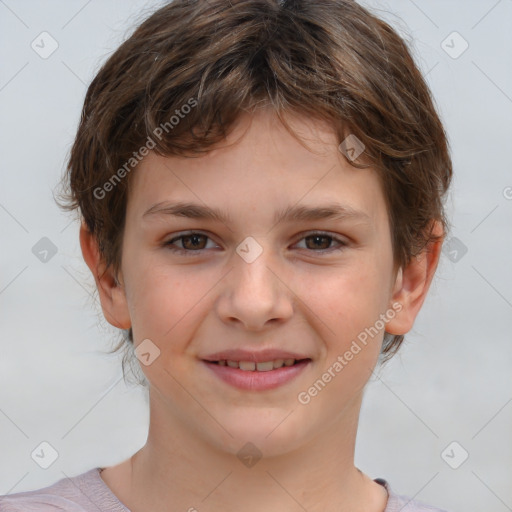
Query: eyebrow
[332,211]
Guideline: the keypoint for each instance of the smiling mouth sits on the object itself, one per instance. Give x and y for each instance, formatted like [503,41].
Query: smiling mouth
[265,366]
[257,376]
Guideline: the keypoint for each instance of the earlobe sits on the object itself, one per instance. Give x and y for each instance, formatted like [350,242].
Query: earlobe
[412,284]
[111,291]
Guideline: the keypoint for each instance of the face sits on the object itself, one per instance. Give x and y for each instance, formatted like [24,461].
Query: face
[257,279]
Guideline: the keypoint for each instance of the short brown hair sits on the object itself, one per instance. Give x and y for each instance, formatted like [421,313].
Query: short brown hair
[328,59]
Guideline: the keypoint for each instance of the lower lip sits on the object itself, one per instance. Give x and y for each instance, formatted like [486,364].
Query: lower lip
[255,380]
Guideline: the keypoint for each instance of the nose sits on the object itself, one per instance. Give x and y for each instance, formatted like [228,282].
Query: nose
[255,294]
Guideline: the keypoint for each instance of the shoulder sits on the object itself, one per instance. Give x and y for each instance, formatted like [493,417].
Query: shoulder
[81,493]
[400,503]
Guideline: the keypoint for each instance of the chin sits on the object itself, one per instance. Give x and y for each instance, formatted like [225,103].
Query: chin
[256,436]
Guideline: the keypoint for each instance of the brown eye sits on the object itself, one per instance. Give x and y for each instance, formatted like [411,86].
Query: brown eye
[193,241]
[321,243]
[188,243]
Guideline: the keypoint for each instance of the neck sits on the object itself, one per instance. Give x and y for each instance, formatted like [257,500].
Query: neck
[179,467]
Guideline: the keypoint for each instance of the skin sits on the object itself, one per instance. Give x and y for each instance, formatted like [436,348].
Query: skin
[292,297]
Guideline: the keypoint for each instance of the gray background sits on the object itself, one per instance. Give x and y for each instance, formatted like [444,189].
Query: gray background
[450,382]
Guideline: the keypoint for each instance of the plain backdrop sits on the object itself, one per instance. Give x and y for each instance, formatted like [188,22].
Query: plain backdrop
[447,395]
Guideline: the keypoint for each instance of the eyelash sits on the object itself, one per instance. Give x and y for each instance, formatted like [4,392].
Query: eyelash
[190,252]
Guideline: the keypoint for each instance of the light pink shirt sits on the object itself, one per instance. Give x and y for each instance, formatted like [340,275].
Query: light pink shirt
[89,493]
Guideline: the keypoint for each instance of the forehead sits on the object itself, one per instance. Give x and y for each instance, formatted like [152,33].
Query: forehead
[261,168]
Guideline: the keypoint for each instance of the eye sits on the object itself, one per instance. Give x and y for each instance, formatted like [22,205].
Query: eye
[320,242]
[191,242]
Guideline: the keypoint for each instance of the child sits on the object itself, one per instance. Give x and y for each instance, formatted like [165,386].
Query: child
[261,184]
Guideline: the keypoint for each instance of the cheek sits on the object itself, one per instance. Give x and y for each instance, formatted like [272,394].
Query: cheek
[349,296]
[343,307]
[349,306]
[163,299]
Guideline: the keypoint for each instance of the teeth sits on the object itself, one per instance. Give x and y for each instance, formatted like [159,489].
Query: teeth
[251,366]
[265,367]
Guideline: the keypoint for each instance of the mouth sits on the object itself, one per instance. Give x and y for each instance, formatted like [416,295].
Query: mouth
[264,366]
[257,376]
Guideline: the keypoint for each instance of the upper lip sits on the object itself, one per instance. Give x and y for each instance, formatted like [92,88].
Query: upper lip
[256,357]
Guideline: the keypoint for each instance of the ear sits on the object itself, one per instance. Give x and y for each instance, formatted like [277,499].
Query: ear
[111,291]
[412,284]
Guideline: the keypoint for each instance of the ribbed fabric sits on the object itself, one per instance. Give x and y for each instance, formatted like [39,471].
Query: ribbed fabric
[89,493]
